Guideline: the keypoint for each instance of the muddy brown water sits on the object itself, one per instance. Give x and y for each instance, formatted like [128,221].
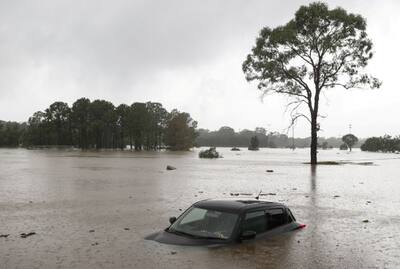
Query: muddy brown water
[79,204]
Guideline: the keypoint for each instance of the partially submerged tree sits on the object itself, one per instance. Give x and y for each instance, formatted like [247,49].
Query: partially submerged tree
[317,50]
[350,140]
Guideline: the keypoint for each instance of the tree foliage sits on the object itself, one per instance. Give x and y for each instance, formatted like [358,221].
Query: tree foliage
[180,132]
[227,137]
[254,143]
[319,49]
[350,140]
[383,144]
[11,133]
[99,124]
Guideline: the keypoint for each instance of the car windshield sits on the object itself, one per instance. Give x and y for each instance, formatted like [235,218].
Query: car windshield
[205,223]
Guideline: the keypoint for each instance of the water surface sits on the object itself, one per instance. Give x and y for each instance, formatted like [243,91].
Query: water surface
[123,196]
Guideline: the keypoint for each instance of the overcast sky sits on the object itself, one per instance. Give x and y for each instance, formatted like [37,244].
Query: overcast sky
[185,54]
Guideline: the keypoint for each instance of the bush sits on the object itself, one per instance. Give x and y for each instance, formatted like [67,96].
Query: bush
[210,153]
[382,144]
[343,147]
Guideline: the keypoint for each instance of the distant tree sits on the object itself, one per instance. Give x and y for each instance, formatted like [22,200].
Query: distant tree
[180,133]
[58,121]
[382,144]
[343,146]
[158,117]
[80,122]
[350,140]
[11,133]
[99,124]
[123,112]
[103,118]
[317,50]
[254,143]
[324,145]
[140,124]
[261,130]
[36,133]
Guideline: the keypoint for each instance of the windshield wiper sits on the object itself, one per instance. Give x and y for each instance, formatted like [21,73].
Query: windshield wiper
[211,237]
[194,236]
[182,233]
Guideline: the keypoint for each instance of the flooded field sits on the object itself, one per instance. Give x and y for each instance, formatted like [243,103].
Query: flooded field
[93,209]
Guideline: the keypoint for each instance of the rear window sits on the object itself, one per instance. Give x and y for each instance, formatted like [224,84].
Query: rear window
[276,217]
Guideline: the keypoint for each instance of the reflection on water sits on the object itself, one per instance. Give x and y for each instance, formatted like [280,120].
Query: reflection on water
[62,195]
[313,175]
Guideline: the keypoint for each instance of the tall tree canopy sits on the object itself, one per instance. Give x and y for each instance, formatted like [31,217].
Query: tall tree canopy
[99,124]
[317,50]
[180,133]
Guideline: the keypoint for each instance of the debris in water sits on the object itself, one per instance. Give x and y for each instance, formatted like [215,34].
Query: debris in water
[126,229]
[25,235]
[364,163]
[269,193]
[173,252]
[368,202]
[336,196]
[91,231]
[270,171]
[365,221]
[201,191]
[294,189]
[234,194]
[4,235]
[327,163]
[95,244]
[170,167]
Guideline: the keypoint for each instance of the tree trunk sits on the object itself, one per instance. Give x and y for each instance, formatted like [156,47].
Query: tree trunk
[314,139]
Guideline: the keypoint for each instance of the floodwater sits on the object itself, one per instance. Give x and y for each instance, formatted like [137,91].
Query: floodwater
[93,209]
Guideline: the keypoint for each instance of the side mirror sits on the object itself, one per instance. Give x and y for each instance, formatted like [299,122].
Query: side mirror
[247,235]
[172,219]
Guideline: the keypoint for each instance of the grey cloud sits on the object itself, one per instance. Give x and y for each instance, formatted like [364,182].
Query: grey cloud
[186,54]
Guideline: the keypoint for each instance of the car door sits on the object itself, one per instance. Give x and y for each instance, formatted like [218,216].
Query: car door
[266,222]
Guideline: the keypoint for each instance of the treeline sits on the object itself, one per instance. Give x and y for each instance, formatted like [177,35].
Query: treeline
[227,137]
[99,124]
[382,144]
[11,133]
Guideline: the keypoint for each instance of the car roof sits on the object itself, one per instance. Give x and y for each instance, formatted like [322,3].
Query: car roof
[235,206]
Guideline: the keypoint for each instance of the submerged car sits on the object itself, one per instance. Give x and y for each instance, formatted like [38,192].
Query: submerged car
[217,222]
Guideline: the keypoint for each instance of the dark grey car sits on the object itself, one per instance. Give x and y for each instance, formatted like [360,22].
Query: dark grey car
[217,222]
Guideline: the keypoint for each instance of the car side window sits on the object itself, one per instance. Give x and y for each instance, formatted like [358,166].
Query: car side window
[255,221]
[275,217]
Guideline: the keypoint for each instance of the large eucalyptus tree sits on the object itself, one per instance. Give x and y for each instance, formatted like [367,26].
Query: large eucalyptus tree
[320,48]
